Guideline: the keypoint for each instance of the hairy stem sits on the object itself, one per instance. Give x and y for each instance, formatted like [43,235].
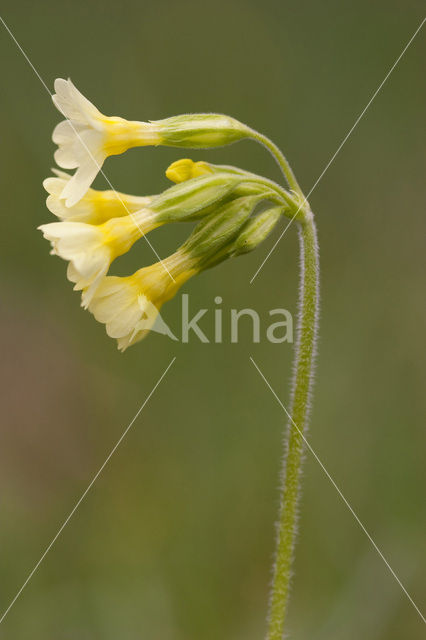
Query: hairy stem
[299,412]
[280,159]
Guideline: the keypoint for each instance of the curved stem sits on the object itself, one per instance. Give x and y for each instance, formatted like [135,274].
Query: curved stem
[280,159]
[299,411]
[288,197]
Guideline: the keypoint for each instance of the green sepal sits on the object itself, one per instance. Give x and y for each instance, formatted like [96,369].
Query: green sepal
[255,231]
[220,227]
[200,130]
[188,200]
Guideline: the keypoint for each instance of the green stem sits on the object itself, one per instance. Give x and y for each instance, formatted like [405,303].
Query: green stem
[295,204]
[280,159]
[299,411]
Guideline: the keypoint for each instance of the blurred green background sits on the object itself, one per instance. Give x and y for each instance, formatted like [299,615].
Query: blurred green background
[175,540]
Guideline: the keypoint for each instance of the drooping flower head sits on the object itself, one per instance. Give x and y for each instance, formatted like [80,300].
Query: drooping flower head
[95,227]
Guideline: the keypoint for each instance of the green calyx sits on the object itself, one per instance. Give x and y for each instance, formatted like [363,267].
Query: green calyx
[250,235]
[201,130]
[220,227]
[256,230]
[224,199]
[189,200]
[294,205]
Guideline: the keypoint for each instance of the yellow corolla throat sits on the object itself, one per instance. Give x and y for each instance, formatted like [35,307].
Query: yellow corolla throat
[121,134]
[112,204]
[172,287]
[119,234]
[95,207]
[161,281]
[130,306]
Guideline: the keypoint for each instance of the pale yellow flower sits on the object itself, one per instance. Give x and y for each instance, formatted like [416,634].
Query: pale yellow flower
[95,207]
[90,249]
[87,137]
[129,306]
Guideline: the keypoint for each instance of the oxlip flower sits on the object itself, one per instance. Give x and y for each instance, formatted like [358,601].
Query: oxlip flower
[95,207]
[130,306]
[87,137]
[90,249]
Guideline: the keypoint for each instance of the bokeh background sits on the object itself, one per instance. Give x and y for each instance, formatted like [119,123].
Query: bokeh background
[175,539]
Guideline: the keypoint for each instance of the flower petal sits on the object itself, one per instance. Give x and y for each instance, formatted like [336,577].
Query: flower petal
[72,104]
[82,179]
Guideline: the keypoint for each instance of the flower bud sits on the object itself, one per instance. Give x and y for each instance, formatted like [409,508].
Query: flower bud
[252,233]
[185,169]
[220,227]
[256,230]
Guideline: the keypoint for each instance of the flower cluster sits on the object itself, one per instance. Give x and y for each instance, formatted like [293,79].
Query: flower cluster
[95,227]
